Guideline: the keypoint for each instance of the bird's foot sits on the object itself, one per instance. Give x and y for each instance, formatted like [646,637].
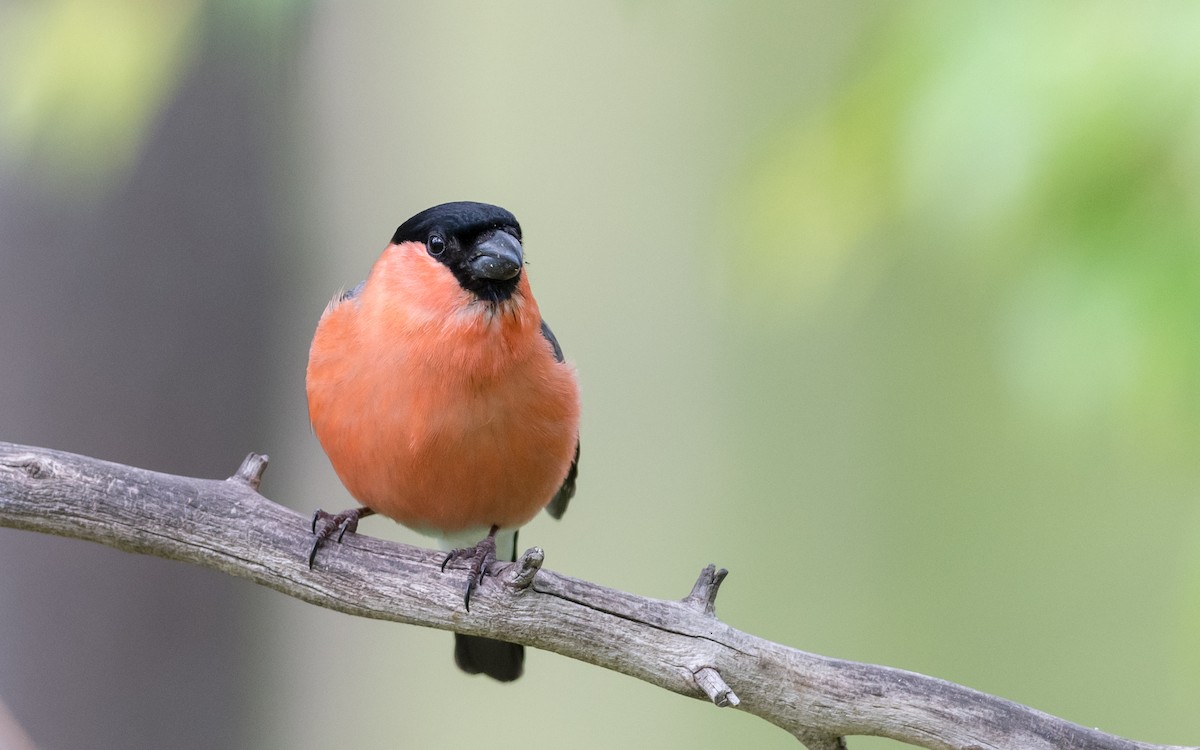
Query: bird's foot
[481,557]
[332,524]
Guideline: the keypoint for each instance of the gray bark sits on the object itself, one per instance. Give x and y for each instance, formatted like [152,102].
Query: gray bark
[678,645]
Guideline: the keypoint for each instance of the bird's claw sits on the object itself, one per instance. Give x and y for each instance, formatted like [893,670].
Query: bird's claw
[482,556]
[342,522]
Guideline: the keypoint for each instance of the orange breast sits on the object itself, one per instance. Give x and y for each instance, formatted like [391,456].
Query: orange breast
[436,409]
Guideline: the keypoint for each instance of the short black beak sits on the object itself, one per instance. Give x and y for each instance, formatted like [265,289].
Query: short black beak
[497,257]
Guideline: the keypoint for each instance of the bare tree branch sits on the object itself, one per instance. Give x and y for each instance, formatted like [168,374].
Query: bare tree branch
[677,645]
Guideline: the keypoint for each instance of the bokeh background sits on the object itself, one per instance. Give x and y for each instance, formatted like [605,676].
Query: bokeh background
[892,309]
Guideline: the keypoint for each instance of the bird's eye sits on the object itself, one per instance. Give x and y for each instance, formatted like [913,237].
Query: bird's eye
[437,245]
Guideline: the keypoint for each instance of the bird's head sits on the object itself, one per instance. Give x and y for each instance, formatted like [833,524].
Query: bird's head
[479,243]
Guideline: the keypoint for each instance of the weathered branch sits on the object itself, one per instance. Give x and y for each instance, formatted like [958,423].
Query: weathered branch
[677,645]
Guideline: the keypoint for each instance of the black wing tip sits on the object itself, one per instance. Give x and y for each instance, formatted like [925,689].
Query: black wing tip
[558,505]
[549,336]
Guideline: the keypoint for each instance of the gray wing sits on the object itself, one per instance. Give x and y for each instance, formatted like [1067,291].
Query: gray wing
[562,498]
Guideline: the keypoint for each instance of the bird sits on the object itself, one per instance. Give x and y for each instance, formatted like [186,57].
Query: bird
[443,400]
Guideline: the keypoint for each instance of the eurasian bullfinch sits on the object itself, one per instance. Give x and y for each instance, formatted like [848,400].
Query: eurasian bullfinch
[442,399]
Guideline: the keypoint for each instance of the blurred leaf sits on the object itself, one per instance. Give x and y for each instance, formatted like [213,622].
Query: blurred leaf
[1049,152]
[81,81]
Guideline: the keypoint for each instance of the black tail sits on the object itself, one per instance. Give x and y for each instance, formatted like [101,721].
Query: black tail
[499,660]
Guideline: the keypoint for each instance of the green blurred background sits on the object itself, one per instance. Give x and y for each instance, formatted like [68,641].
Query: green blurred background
[891,309]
